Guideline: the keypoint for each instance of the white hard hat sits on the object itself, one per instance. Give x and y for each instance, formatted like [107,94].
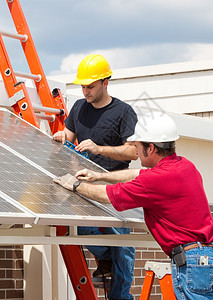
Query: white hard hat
[155,127]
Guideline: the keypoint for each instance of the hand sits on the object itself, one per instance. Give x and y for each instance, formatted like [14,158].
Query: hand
[88,145]
[60,136]
[66,181]
[87,175]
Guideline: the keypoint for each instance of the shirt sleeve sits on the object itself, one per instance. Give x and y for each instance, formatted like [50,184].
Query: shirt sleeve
[127,125]
[69,122]
[128,195]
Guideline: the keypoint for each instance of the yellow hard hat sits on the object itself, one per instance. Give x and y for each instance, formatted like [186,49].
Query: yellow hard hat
[92,68]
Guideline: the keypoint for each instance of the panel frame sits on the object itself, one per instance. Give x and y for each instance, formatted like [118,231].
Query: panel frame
[46,235]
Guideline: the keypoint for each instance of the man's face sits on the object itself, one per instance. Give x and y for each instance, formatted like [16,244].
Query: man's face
[94,92]
[143,155]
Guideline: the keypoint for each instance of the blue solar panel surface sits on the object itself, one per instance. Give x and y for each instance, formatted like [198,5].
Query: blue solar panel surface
[29,161]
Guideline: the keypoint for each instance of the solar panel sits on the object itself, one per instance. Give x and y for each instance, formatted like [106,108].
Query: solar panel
[11,213]
[30,160]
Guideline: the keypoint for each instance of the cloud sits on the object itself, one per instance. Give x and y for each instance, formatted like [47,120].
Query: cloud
[130,33]
[141,56]
[199,52]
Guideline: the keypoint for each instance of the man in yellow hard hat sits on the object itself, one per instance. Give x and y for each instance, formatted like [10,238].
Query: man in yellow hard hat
[101,124]
[170,191]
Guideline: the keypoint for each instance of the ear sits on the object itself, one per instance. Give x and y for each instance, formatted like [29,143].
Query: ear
[105,83]
[151,148]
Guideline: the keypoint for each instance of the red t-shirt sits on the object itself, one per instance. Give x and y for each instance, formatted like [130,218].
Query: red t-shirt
[175,206]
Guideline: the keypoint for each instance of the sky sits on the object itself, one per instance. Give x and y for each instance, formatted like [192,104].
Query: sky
[128,33]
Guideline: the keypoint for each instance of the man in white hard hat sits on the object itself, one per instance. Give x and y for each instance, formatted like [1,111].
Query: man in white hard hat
[171,193]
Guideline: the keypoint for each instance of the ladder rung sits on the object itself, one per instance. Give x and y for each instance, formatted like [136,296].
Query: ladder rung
[49,110]
[22,37]
[45,117]
[30,76]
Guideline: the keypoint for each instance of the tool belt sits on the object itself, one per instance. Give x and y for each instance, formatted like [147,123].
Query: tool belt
[178,252]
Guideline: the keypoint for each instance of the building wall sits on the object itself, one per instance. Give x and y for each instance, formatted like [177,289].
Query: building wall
[142,255]
[11,272]
[181,88]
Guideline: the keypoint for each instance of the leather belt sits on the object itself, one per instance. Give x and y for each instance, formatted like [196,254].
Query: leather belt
[192,246]
[178,252]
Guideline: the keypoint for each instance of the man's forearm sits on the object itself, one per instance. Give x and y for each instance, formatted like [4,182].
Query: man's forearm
[123,152]
[118,176]
[70,136]
[94,192]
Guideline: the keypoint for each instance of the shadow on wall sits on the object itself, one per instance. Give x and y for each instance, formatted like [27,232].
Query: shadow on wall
[33,276]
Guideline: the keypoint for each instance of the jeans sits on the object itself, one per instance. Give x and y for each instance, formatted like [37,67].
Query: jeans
[123,259]
[194,281]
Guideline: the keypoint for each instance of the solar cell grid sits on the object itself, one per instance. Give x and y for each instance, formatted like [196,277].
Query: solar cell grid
[29,161]
[8,207]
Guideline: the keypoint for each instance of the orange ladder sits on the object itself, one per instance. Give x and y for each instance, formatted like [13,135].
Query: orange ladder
[56,112]
[77,269]
[53,102]
[18,96]
[163,273]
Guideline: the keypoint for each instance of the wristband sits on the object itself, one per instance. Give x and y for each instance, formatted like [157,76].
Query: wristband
[75,185]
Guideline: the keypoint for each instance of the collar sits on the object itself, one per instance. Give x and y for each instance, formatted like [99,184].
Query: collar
[167,158]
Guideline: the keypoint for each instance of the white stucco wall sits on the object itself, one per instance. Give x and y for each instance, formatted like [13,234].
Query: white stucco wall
[182,87]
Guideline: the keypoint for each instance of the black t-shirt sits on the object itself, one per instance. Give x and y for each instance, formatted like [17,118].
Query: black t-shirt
[107,126]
